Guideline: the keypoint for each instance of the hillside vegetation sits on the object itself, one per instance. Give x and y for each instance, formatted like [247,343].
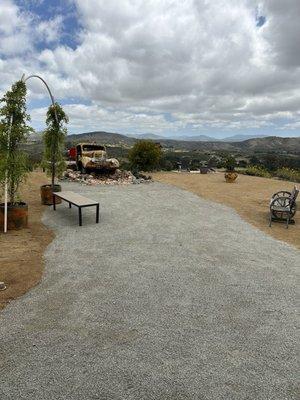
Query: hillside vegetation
[266,144]
[270,153]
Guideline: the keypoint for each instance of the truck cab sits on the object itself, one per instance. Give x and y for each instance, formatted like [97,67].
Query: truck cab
[93,157]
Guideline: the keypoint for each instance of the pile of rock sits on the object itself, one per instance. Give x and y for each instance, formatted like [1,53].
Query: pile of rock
[141,178]
[117,178]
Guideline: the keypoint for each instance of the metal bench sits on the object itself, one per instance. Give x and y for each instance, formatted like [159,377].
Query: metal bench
[283,206]
[78,201]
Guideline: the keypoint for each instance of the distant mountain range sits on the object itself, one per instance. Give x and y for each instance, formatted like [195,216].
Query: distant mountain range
[115,138]
[198,138]
[242,137]
[265,144]
[151,136]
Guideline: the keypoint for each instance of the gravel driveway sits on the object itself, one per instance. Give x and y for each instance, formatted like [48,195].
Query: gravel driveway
[170,297]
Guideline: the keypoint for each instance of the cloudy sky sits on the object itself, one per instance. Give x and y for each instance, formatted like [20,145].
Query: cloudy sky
[171,67]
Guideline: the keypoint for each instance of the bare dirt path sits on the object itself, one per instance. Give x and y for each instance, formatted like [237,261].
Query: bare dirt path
[249,196]
[21,252]
[169,297]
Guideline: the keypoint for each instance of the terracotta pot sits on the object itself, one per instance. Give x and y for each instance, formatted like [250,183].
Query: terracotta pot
[230,176]
[46,194]
[17,216]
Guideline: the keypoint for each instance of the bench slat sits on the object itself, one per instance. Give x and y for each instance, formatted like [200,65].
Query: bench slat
[76,199]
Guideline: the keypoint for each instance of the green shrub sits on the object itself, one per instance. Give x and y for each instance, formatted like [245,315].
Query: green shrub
[124,164]
[230,163]
[242,164]
[166,165]
[288,174]
[254,170]
[144,156]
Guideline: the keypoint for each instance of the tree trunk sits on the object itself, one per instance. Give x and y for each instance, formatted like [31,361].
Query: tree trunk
[53,175]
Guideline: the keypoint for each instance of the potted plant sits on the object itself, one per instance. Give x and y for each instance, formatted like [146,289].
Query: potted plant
[54,143]
[14,164]
[230,173]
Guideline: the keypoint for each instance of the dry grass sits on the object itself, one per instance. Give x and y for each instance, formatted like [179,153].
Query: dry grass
[21,252]
[249,196]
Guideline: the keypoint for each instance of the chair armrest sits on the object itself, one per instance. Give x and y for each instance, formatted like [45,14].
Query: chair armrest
[282,193]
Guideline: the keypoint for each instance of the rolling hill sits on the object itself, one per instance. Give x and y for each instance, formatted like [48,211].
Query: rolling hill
[103,137]
[264,144]
[270,144]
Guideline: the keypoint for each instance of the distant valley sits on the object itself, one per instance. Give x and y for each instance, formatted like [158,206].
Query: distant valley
[261,144]
[270,152]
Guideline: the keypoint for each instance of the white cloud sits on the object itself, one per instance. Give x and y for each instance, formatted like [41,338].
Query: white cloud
[9,17]
[14,30]
[283,31]
[85,118]
[20,31]
[49,31]
[206,64]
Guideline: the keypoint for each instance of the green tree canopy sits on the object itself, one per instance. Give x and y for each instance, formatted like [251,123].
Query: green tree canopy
[145,155]
[13,132]
[54,141]
[230,163]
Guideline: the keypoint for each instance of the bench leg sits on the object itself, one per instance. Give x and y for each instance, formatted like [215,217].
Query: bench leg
[97,214]
[70,205]
[54,203]
[80,216]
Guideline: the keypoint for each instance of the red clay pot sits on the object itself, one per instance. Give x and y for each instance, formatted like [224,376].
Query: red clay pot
[46,194]
[17,216]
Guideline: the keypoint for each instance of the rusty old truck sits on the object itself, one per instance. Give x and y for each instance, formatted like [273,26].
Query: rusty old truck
[91,157]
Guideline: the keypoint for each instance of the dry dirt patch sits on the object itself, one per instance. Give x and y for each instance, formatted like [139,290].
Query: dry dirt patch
[21,252]
[249,196]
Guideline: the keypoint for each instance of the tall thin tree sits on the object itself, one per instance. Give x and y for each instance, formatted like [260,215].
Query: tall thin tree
[13,119]
[54,141]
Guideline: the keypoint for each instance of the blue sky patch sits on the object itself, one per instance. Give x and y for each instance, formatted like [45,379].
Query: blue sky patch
[45,10]
[260,20]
